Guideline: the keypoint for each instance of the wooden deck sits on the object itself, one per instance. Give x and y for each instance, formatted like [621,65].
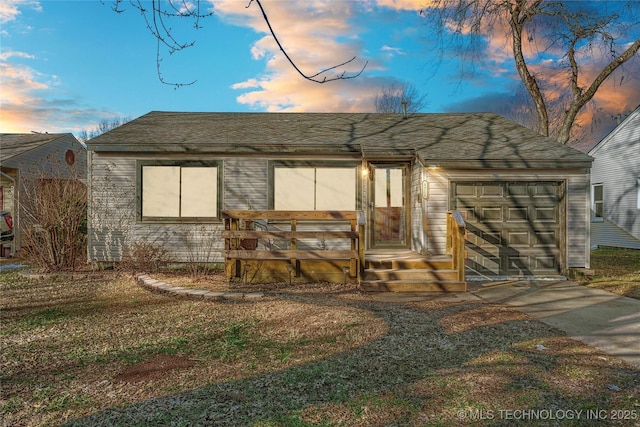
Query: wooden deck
[293,245]
[329,246]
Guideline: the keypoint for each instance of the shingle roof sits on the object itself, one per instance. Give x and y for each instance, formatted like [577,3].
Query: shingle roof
[480,139]
[15,144]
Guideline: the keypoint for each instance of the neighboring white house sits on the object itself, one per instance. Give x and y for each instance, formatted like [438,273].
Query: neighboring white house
[615,186]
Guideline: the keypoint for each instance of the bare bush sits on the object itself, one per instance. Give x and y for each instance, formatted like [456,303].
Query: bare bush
[202,249]
[54,219]
[141,256]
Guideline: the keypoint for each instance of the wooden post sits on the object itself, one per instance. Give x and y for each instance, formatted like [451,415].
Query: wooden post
[457,232]
[361,243]
[294,262]
[228,245]
[353,265]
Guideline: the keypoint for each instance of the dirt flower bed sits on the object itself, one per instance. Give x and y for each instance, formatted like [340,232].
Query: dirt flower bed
[101,350]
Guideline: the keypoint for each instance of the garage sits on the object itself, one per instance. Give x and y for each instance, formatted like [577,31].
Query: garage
[513,228]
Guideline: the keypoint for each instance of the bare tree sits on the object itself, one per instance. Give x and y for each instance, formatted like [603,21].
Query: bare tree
[102,127]
[160,13]
[587,43]
[400,98]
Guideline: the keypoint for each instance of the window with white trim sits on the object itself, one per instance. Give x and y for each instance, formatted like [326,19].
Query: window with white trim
[597,200]
[178,191]
[314,187]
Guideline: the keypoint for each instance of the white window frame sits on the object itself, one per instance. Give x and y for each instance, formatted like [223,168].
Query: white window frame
[597,203]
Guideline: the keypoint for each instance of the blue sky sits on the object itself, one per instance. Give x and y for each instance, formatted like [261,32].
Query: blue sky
[67,65]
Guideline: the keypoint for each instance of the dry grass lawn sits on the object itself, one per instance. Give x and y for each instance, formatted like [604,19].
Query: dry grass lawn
[617,271]
[98,349]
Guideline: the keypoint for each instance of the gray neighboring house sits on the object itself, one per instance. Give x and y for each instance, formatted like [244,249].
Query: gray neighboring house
[615,186]
[165,177]
[24,155]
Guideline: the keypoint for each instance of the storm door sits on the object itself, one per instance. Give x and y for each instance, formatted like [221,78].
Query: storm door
[388,203]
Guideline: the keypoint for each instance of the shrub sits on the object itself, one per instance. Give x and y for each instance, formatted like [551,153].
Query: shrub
[146,257]
[54,222]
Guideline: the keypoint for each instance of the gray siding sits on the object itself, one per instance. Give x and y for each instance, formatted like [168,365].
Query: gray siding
[577,227]
[576,196]
[113,227]
[248,185]
[113,204]
[113,224]
[606,233]
[436,207]
[617,168]
[417,234]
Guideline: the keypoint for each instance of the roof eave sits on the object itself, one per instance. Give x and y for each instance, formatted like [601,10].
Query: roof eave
[178,148]
[508,164]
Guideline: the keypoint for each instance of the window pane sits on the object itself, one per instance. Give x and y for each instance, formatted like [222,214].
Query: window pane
[199,192]
[335,189]
[389,187]
[397,188]
[294,189]
[160,191]
[380,187]
[597,193]
[598,205]
[598,208]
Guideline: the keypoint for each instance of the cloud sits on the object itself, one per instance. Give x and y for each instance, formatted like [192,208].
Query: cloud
[392,50]
[31,101]
[10,9]
[405,4]
[316,35]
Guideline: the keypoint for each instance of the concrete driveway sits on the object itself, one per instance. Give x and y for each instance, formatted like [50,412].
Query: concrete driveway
[608,322]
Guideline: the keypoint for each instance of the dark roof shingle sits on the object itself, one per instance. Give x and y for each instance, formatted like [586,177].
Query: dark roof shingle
[483,139]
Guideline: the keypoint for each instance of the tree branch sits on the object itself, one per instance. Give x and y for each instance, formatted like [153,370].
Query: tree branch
[517,21]
[581,97]
[312,77]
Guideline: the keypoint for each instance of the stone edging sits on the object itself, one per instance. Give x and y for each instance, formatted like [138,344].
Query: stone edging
[156,285]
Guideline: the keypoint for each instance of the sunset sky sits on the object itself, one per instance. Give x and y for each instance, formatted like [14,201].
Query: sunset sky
[67,65]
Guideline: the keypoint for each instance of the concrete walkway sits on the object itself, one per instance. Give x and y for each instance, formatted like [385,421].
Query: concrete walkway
[608,322]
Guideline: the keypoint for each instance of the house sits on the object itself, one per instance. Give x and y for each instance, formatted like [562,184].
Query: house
[39,156]
[615,186]
[167,175]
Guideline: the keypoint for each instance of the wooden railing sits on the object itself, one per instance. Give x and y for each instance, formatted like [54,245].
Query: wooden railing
[252,235]
[456,232]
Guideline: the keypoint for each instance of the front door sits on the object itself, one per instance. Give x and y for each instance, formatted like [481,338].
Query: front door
[388,203]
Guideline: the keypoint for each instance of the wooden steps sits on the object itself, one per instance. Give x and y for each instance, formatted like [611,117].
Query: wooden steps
[407,271]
